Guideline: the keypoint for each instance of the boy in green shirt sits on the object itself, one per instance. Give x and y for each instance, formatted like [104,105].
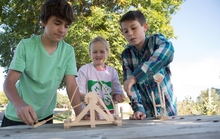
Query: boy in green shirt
[38,67]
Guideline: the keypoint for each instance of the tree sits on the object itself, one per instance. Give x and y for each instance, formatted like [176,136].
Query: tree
[62,101]
[209,105]
[187,107]
[20,19]
[3,98]
[206,104]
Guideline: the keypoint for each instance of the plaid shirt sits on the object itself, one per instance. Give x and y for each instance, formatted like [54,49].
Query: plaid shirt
[155,56]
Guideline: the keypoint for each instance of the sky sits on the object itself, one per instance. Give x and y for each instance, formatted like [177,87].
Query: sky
[196,64]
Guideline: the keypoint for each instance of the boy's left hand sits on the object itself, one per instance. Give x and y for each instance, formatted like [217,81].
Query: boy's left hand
[137,116]
[119,98]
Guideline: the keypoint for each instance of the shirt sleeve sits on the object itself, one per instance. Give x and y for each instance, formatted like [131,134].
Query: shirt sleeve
[18,61]
[136,102]
[162,56]
[116,86]
[82,81]
[71,63]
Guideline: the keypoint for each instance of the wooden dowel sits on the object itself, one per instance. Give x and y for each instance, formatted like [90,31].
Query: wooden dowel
[44,121]
[108,94]
[73,94]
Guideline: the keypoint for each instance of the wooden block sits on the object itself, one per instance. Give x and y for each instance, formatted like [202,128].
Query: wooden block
[68,120]
[121,111]
[164,117]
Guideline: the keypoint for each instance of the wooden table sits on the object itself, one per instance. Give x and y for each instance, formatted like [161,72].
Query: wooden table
[186,127]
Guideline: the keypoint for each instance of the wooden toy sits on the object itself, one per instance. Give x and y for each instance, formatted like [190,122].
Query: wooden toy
[91,99]
[44,121]
[163,114]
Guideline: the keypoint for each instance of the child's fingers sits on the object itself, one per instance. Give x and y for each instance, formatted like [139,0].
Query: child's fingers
[99,104]
[33,115]
[142,116]
[123,97]
[132,117]
[120,98]
[97,116]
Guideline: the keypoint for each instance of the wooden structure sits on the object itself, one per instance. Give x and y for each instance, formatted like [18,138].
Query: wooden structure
[44,121]
[163,114]
[91,99]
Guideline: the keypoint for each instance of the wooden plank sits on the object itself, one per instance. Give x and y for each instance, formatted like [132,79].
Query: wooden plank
[186,127]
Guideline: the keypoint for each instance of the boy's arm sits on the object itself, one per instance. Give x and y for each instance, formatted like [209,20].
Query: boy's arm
[161,57]
[130,87]
[71,87]
[24,111]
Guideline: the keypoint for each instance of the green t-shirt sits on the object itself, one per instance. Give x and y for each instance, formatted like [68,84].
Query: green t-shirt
[41,74]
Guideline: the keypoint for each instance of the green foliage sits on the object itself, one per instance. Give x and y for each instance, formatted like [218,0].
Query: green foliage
[20,19]
[3,98]
[187,107]
[99,23]
[209,105]
[204,104]
[62,101]
[63,116]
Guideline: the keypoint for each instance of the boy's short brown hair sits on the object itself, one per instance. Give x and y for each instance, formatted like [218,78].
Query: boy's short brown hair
[133,15]
[58,8]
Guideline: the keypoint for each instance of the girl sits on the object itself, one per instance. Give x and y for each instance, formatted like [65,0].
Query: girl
[98,77]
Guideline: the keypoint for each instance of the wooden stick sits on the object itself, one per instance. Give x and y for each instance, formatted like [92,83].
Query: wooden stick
[73,95]
[154,104]
[108,94]
[44,121]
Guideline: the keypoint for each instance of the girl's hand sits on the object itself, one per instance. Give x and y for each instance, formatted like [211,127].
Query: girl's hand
[87,116]
[82,97]
[119,98]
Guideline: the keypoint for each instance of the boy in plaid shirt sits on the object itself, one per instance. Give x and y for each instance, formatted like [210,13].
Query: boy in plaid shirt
[144,57]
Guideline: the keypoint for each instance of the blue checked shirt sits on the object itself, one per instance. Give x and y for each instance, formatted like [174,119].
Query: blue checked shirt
[155,57]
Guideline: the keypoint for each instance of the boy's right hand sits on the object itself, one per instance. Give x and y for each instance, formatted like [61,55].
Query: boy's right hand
[128,84]
[26,113]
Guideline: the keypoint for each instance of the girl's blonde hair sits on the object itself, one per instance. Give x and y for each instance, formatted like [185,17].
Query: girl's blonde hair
[97,39]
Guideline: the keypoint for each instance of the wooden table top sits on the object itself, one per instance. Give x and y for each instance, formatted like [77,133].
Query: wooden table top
[185,127]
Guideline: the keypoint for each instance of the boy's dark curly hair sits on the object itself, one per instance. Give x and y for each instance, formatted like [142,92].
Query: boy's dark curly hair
[58,8]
